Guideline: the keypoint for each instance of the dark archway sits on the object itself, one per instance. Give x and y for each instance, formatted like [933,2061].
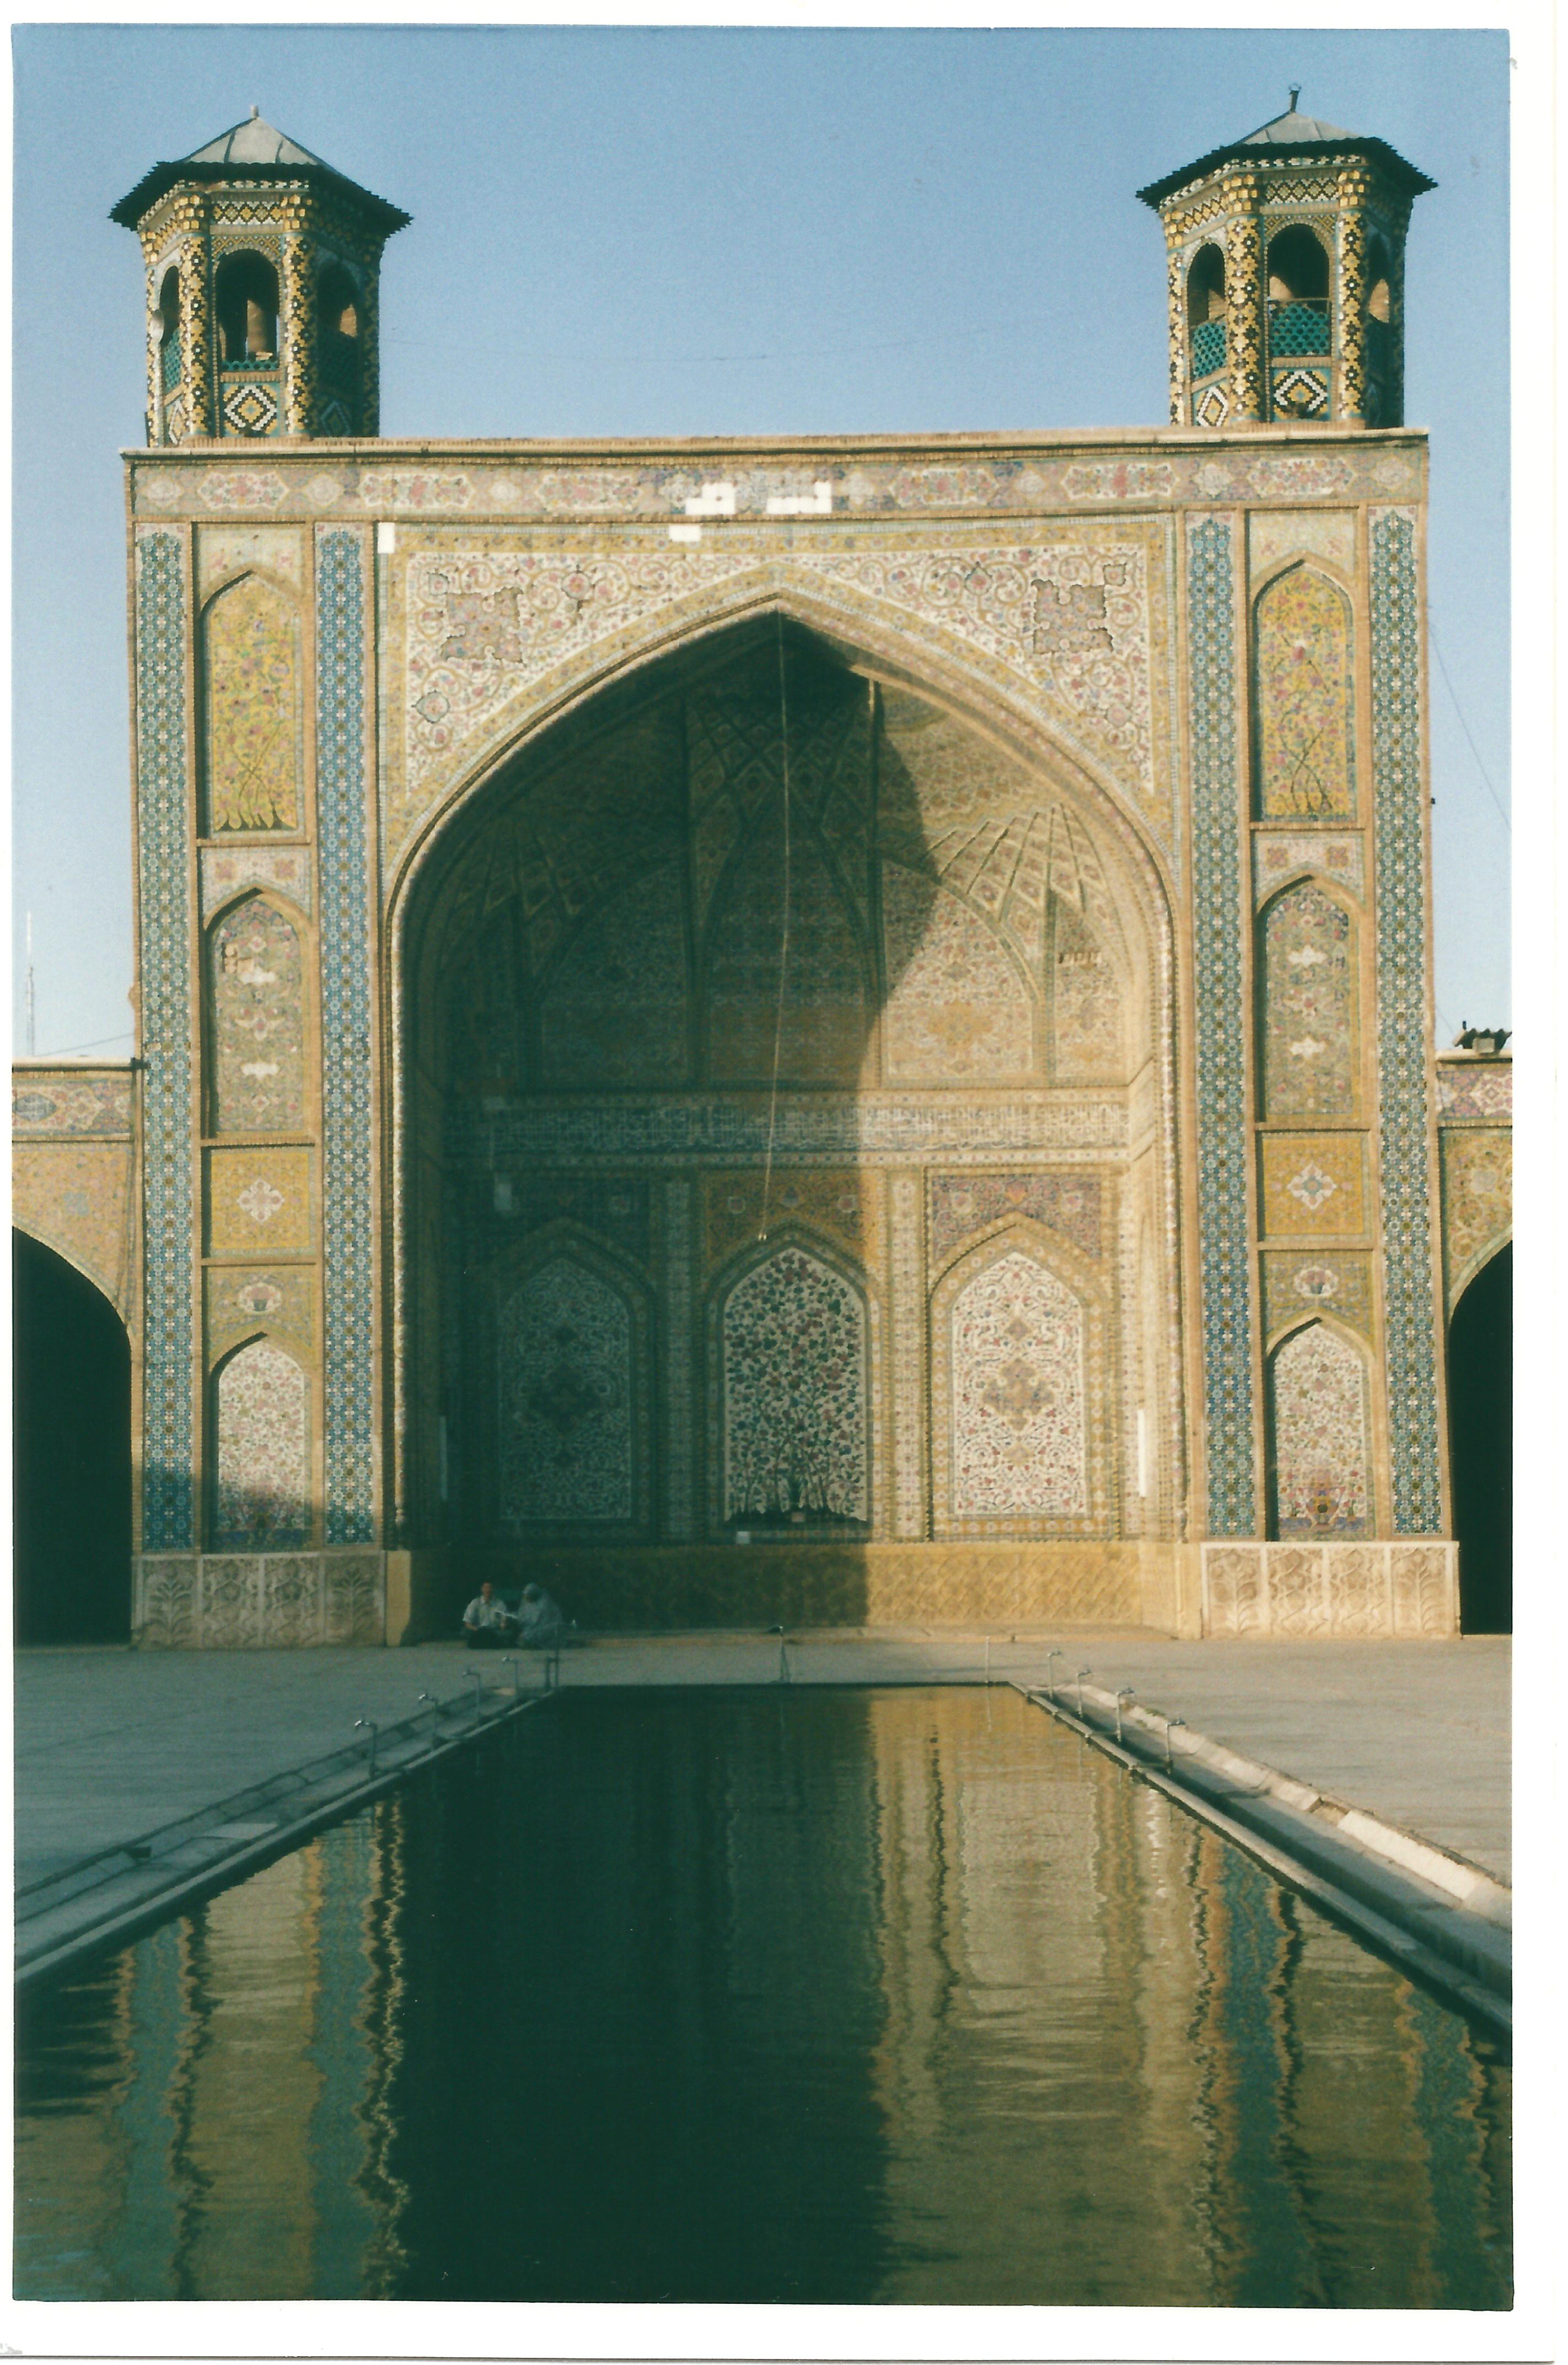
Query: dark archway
[1481,1435]
[72,1373]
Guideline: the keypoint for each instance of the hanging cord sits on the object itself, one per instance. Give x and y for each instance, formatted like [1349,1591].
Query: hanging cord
[783,942]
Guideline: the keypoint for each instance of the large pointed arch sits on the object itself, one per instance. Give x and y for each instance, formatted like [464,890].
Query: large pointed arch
[1133,880]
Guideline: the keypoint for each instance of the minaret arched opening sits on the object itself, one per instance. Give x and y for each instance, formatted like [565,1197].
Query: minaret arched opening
[169,327]
[1206,311]
[1298,292]
[247,309]
[338,312]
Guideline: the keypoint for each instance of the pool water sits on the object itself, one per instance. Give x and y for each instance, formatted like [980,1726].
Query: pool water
[790,1995]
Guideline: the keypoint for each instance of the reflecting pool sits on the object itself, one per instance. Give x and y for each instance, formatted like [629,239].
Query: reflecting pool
[790,1995]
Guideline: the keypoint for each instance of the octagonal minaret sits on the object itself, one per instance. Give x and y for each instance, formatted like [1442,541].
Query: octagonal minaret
[1286,256]
[263,265]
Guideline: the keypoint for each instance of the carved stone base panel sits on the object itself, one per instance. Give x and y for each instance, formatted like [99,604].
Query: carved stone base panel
[277,1601]
[837,1584]
[1296,1592]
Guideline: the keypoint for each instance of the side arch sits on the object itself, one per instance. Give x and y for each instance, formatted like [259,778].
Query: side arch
[71,1477]
[1481,1441]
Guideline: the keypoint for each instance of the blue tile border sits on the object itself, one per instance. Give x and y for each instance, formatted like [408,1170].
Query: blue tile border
[1403,1119]
[1219,985]
[347,1078]
[162,878]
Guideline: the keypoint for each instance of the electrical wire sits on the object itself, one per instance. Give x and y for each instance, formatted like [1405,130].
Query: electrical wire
[1442,668]
[783,942]
[125,1034]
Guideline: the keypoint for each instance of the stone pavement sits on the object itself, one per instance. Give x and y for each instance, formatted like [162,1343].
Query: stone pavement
[112,1743]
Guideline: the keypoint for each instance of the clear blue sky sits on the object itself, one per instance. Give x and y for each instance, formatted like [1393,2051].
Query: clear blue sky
[639,232]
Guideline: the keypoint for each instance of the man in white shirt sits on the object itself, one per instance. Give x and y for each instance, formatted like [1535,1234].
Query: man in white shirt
[487,1622]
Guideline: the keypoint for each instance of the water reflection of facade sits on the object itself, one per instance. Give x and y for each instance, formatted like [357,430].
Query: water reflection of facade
[830,1031]
[979,2017]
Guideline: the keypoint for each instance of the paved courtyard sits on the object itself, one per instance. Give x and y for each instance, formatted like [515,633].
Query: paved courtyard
[111,1744]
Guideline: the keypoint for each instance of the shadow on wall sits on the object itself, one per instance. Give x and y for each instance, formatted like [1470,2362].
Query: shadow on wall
[1481,1438]
[723,995]
[72,1374]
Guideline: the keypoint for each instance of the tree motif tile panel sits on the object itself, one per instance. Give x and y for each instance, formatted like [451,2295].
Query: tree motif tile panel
[1018,1409]
[1304,677]
[615,1011]
[1313,1182]
[1320,1441]
[565,1352]
[261,1435]
[253,741]
[956,1009]
[792,1343]
[1311,1040]
[259,1202]
[964,1204]
[256,996]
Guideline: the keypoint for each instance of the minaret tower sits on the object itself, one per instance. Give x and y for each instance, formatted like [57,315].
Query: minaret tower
[1286,275]
[262,290]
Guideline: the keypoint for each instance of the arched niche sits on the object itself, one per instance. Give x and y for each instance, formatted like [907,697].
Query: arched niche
[1308,1032]
[1320,1466]
[1480,1443]
[257,1070]
[571,1393]
[72,1473]
[258,1429]
[251,703]
[1304,697]
[593,982]
[792,1353]
[1023,1390]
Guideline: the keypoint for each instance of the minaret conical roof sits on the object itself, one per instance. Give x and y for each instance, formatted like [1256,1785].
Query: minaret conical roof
[252,149]
[1307,136]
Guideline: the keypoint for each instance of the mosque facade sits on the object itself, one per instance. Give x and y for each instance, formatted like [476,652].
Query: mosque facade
[830,1031]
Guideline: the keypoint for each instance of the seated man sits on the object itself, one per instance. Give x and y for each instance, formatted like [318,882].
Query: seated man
[541,1626]
[487,1623]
